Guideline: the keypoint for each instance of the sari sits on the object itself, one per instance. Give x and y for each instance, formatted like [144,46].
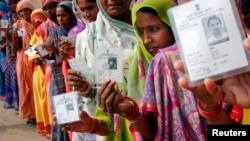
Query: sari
[4,9]
[23,66]
[174,108]
[43,119]
[106,32]
[9,68]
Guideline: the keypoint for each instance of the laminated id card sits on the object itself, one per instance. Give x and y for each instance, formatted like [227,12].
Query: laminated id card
[66,108]
[209,35]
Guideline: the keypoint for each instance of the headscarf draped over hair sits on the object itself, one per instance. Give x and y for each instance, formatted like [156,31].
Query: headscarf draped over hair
[38,16]
[24,4]
[141,58]
[48,2]
[4,7]
[67,5]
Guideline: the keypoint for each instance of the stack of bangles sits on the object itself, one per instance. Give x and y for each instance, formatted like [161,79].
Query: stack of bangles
[87,91]
[209,114]
[135,114]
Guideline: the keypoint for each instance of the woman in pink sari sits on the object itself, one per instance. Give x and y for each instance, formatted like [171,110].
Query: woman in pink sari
[23,66]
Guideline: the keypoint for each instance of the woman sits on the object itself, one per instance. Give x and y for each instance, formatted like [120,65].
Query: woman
[11,87]
[112,28]
[23,66]
[166,112]
[40,96]
[66,20]
[3,42]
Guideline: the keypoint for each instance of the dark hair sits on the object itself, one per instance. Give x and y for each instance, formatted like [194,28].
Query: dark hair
[148,10]
[68,10]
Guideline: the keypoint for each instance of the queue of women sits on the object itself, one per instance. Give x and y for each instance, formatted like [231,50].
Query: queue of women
[154,102]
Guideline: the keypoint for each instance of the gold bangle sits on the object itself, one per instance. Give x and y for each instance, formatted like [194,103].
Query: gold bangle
[86,92]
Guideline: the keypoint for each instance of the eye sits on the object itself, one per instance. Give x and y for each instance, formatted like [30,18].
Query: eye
[90,8]
[153,29]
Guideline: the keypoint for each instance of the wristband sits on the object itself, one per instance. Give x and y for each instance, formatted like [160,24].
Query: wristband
[209,113]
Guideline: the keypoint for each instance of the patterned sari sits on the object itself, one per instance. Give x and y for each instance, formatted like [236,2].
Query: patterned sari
[174,108]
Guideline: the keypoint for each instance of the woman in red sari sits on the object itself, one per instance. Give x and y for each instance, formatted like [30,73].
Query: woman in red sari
[25,30]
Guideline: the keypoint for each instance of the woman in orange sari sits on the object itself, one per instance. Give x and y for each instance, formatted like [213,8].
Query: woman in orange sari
[24,30]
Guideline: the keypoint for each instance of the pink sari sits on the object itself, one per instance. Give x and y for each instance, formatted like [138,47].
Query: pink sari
[173,108]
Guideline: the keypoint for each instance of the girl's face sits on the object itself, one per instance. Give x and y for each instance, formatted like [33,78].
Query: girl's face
[63,18]
[153,32]
[25,14]
[89,9]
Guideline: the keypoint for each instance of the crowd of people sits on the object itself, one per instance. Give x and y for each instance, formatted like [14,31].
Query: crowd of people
[154,102]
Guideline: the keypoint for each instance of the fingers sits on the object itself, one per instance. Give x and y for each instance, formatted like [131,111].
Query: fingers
[246,43]
[178,65]
[75,80]
[105,91]
[214,89]
[109,102]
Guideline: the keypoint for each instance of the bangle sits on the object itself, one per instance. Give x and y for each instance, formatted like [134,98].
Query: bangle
[209,113]
[86,92]
[94,126]
[134,112]
[139,116]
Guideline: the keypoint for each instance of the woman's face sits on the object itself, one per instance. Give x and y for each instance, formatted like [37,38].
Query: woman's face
[116,8]
[215,26]
[89,9]
[63,18]
[25,13]
[50,11]
[153,32]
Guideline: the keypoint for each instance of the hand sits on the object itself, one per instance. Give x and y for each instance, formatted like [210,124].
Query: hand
[76,82]
[111,100]
[234,90]
[80,126]
[66,49]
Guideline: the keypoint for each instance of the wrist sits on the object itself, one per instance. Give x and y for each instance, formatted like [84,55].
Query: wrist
[95,125]
[209,113]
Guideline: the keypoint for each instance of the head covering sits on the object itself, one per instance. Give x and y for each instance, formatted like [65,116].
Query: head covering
[4,7]
[48,2]
[110,33]
[38,16]
[24,4]
[141,58]
[67,5]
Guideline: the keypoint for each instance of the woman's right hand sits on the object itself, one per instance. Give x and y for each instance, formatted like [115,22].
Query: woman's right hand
[76,82]
[111,100]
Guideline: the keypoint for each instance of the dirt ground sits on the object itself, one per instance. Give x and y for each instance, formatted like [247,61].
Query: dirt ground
[13,128]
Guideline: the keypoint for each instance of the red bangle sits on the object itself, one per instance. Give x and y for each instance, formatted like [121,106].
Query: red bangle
[209,113]
[134,112]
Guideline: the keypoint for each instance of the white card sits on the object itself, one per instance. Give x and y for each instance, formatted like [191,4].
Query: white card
[79,64]
[30,51]
[109,64]
[66,108]
[20,32]
[4,23]
[41,50]
[209,35]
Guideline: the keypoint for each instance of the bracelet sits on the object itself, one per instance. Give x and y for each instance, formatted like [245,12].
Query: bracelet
[86,92]
[94,126]
[134,112]
[137,119]
[209,113]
